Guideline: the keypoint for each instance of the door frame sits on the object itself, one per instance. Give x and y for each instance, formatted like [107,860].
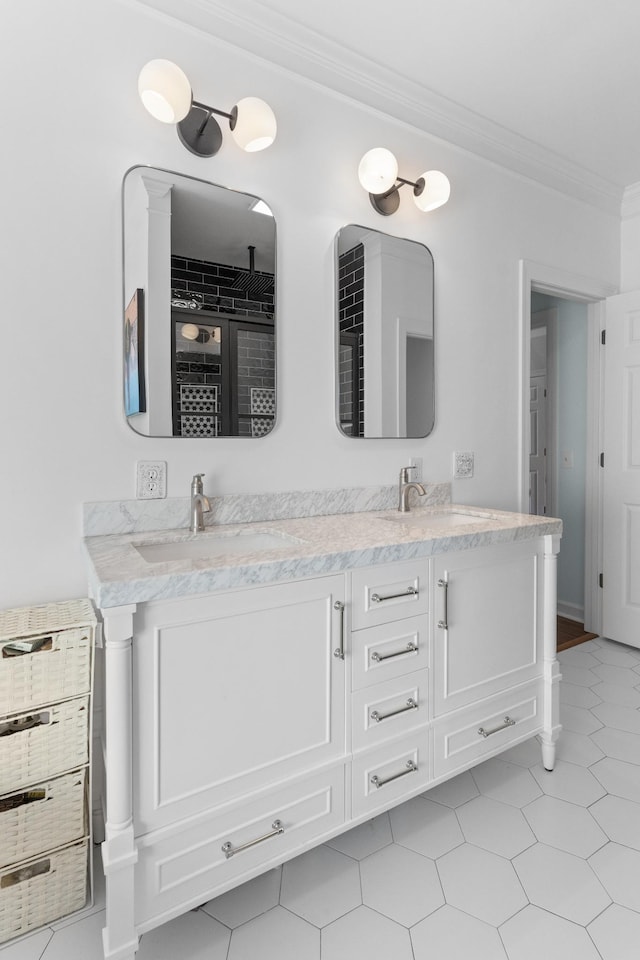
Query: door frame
[556,282]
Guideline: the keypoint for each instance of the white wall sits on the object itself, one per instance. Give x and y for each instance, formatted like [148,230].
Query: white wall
[570,389]
[72,126]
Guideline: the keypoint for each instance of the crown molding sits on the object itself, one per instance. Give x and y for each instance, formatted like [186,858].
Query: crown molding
[278,40]
[631,201]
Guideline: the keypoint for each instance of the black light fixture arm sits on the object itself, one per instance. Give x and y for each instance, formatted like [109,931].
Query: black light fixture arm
[231,117]
[388,202]
[204,136]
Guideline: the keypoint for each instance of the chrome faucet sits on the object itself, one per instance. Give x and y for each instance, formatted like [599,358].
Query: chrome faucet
[199,504]
[404,487]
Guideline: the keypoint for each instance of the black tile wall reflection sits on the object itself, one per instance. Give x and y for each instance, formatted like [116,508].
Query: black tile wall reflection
[218,287]
[351,322]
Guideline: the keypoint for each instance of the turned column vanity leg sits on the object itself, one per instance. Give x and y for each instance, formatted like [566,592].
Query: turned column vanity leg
[119,852]
[551,701]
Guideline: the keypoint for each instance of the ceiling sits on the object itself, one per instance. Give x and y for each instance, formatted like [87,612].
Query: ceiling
[548,87]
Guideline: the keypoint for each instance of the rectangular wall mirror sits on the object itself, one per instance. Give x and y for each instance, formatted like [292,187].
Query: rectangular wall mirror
[200,308]
[384,319]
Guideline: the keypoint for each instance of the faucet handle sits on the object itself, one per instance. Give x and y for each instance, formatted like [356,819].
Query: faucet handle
[404,473]
[196,483]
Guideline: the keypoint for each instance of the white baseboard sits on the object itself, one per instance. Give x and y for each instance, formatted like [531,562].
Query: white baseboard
[571,611]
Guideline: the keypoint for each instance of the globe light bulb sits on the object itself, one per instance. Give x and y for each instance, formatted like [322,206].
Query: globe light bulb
[378,170]
[435,193]
[190,331]
[165,91]
[255,124]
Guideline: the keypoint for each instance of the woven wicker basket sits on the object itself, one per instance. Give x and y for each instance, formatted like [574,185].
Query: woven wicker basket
[45,654]
[39,891]
[49,814]
[38,746]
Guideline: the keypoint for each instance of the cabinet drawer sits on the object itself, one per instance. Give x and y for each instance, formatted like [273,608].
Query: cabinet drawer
[389,650]
[389,709]
[186,866]
[389,592]
[43,669]
[388,774]
[460,740]
[37,746]
[49,814]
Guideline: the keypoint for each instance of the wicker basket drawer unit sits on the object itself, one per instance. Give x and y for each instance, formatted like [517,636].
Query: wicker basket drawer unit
[42,889]
[46,685]
[49,814]
[45,654]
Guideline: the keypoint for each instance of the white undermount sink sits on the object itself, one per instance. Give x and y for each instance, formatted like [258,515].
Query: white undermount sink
[444,518]
[209,546]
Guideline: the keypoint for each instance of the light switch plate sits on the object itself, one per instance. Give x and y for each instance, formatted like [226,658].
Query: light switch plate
[151,479]
[463,466]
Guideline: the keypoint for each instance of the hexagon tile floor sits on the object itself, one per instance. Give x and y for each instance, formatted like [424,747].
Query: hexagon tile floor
[504,861]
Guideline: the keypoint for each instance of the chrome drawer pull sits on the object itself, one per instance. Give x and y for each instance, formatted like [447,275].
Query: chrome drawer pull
[444,623]
[230,851]
[411,704]
[411,647]
[507,722]
[377,782]
[339,651]
[410,591]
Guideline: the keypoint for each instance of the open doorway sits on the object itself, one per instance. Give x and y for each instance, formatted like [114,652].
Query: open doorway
[590,293]
[558,438]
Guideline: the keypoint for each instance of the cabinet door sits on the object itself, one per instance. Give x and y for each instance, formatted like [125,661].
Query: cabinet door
[487,622]
[234,693]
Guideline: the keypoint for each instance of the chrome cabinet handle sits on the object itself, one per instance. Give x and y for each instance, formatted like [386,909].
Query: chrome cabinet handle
[411,647]
[507,722]
[339,651]
[377,782]
[411,704]
[230,851]
[410,591]
[444,623]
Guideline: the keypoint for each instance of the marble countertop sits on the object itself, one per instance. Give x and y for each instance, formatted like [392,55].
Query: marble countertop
[119,574]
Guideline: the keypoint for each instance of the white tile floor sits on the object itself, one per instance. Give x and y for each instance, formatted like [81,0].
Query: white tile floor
[504,861]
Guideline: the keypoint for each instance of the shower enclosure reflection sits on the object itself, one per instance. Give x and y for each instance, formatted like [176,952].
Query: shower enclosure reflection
[205,258]
[385,358]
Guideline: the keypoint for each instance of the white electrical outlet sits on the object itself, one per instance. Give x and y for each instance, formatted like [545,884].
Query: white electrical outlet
[151,479]
[416,473]
[462,466]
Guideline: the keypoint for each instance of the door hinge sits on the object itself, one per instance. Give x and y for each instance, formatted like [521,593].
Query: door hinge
[603,337]
[600,580]
[602,459]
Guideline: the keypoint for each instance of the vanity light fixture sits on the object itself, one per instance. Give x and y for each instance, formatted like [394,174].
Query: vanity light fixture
[166,93]
[378,174]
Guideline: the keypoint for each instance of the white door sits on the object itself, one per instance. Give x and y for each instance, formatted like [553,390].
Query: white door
[621,509]
[538,452]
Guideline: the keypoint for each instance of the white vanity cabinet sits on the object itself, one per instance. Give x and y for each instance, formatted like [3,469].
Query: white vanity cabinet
[245,727]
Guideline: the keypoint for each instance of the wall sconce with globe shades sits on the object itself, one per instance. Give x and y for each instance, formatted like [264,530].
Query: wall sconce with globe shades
[378,174]
[166,93]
